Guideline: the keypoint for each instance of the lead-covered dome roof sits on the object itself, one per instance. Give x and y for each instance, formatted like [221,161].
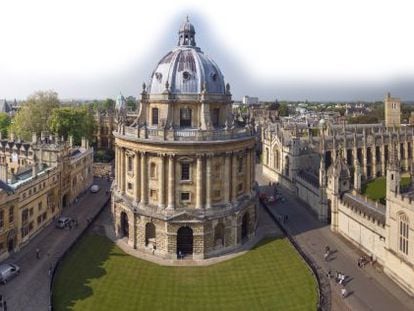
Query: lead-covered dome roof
[186,69]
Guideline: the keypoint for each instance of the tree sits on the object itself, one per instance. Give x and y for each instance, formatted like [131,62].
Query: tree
[283,110]
[131,103]
[75,121]
[4,123]
[34,115]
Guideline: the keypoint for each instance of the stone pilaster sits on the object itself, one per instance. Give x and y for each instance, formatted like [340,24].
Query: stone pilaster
[234,178]
[137,172]
[208,181]
[199,182]
[248,171]
[227,177]
[171,182]
[144,178]
[162,182]
[123,171]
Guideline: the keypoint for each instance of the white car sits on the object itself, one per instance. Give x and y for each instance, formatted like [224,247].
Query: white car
[95,188]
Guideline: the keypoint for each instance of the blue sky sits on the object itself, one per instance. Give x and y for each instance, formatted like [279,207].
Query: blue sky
[296,50]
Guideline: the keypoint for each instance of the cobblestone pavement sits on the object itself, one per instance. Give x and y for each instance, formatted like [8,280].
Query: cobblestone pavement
[368,288]
[30,290]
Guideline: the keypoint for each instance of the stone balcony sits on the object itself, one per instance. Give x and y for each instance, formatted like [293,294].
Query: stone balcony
[182,135]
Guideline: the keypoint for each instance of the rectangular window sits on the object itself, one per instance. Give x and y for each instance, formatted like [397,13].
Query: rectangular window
[215,118]
[240,187]
[130,164]
[154,116]
[185,171]
[185,117]
[25,215]
[40,206]
[31,212]
[11,214]
[185,196]
[153,194]
[1,219]
[129,186]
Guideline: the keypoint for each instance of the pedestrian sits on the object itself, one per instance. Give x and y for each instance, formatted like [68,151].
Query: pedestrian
[37,253]
[329,274]
[70,226]
[343,292]
[327,249]
[1,299]
[4,305]
[325,256]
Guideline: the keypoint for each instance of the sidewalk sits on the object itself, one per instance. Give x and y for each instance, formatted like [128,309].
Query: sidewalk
[368,288]
[30,290]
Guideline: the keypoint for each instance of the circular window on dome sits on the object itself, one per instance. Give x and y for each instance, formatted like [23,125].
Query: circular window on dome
[214,76]
[158,76]
[186,75]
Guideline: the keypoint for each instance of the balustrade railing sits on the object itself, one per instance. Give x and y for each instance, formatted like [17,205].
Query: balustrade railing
[185,134]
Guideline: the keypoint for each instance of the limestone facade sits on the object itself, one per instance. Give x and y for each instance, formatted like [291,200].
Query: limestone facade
[184,172]
[37,180]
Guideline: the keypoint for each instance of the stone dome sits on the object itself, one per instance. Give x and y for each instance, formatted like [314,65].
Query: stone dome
[186,69]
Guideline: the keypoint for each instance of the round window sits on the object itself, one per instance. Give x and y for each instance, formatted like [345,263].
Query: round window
[214,76]
[186,75]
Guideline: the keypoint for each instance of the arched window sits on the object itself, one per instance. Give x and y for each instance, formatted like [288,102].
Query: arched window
[185,117]
[404,228]
[153,170]
[219,235]
[154,116]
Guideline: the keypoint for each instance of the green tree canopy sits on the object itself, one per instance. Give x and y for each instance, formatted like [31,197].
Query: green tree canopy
[131,103]
[75,121]
[34,115]
[4,123]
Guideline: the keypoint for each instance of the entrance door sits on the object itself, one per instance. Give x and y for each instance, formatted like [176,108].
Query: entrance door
[185,241]
[124,225]
[10,245]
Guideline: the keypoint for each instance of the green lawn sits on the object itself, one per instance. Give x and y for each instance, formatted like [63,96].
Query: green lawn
[375,189]
[97,275]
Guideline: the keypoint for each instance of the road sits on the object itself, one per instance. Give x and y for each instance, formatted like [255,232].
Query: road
[368,288]
[30,290]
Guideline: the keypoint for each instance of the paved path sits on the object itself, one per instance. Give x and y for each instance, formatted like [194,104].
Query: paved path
[30,290]
[369,289]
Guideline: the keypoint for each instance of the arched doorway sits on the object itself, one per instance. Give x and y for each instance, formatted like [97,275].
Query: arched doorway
[185,241]
[124,225]
[150,235]
[219,235]
[65,201]
[245,226]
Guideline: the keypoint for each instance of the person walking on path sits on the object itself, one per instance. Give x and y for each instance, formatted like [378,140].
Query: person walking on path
[343,292]
[37,253]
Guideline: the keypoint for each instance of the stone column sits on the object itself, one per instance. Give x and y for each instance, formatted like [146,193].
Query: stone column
[117,167]
[248,171]
[123,172]
[199,182]
[208,181]
[382,159]
[144,178]
[227,177]
[374,161]
[137,173]
[364,162]
[171,182]
[162,183]
[234,178]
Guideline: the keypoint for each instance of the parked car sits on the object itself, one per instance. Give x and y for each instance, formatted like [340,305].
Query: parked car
[8,271]
[95,188]
[63,222]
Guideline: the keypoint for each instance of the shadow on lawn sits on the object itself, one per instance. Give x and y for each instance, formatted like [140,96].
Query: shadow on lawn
[83,264]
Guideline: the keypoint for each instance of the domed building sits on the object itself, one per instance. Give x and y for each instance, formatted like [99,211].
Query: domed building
[184,170]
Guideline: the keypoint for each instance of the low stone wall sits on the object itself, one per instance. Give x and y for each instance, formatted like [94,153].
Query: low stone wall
[102,169]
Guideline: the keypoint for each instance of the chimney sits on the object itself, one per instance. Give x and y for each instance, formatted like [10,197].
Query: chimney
[70,141]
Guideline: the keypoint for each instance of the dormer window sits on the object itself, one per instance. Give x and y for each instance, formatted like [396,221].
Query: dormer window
[185,117]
